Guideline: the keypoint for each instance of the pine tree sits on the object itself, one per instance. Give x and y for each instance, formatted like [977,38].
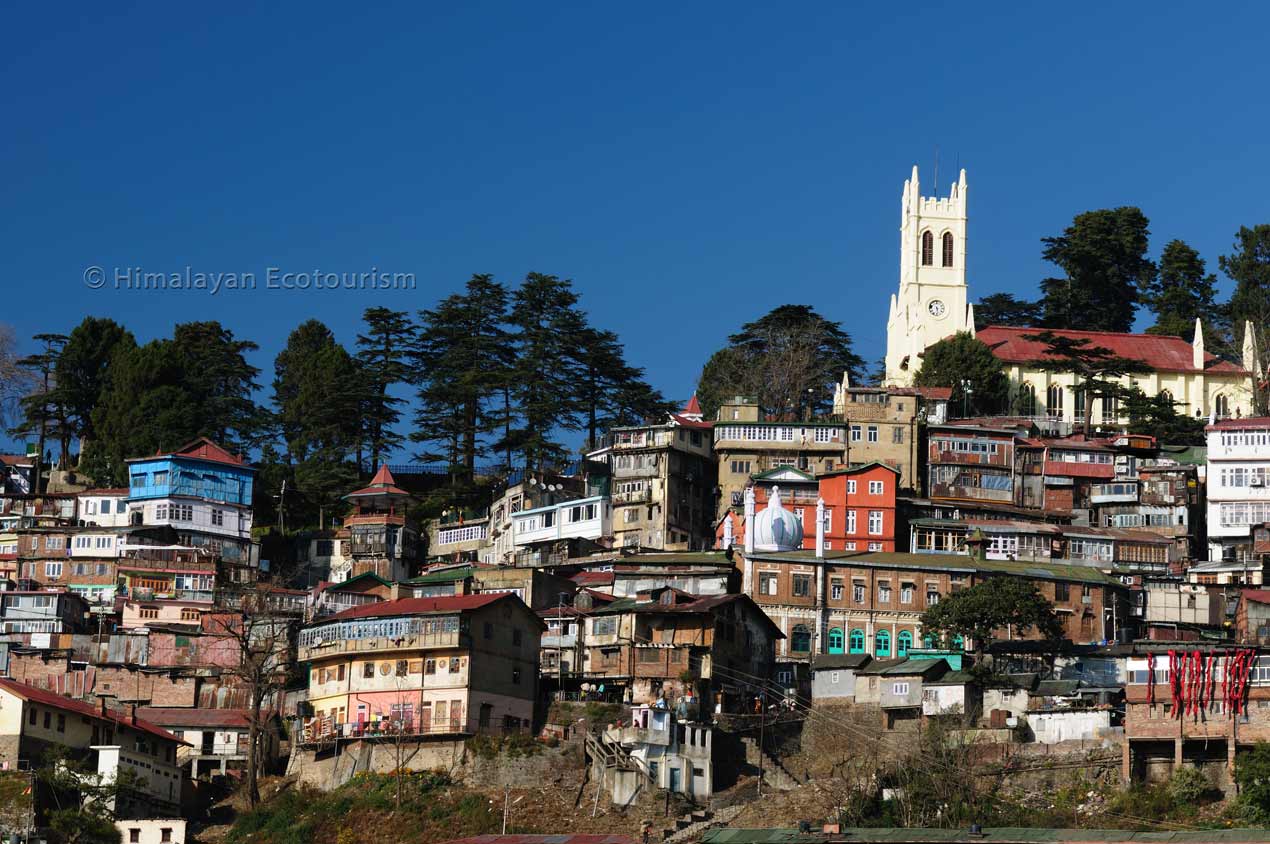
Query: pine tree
[1103,254]
[463,359]
[547,336]
[383,352]
[214,368]
[1249,266]
[317,395]
[44,409]
[613,392]
[977,377]
[1183,292]
[82,371]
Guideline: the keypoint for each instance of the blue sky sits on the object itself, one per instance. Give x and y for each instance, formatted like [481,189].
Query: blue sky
[689,166]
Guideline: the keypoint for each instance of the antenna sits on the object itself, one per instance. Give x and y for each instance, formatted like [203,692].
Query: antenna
[936,181]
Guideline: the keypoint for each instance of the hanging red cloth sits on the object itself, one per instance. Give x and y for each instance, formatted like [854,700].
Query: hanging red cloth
[1151,679]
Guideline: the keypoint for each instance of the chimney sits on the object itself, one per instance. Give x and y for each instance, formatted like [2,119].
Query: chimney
[749,521]
[820,528]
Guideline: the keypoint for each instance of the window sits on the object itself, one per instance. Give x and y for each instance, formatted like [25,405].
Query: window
[52,571]
[948,249]
[897,434]
[604,626]
[218,517]
[767,583]
[836,640]
[928,249]
[884,591]
[1110,408]
[190,614]
[516,636]
[906,593]
[429,666]
[516,676]
[875,522]
[835,590]
[932,594]
[368,670]
[875,487]
[851,522]
[138,481]
[61,722]
[1221,406]
[134,835]
[160,478]
[800,639]
[165,834]
[899,689]
[740,467]
[1061,592]
[856,433]
[148,612]
[1054,400]
[856,640]
[882,644]
[873,433]
[403,667]
[802,585]
[903,642]
[857,592]
[851,487]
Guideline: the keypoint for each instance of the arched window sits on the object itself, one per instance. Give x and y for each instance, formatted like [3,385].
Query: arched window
[857,642]
[836,640]
[1165,395]
[947,244]
[928,641]
[928,249]
[1054,401]
[799,639]
[1027,399]
[882,644]
[903,642]
[1221,405]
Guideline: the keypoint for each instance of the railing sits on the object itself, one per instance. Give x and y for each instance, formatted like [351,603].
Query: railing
[972,493]
[638,496]
[165,559]
[327,730]
[380,645]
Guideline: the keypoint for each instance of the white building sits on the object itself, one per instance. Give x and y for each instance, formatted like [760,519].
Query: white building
[102,507]
[582,518]
[1238,485]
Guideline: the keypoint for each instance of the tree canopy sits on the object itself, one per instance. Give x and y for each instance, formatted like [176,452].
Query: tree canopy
[1006,309]
[1104,257]
[994,605]
[977,378]
[1097,369]
[789,360]
[1184,291]
[1248,265]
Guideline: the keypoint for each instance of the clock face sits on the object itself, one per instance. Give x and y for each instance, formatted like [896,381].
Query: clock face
[936,308]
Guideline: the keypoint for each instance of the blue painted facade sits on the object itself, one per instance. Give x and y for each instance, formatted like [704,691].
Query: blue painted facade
[164,477]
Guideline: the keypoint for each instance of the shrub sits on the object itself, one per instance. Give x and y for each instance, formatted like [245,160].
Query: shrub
[1188,786]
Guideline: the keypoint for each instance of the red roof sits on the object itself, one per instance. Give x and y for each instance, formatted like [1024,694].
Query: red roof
[592,578]
[1257,596]
[685,422]
[179,716]
[1251,423]
[382,484]
[16,460]
[199,449]
[1158,351]
[79,707]
[105,491]
[420,606]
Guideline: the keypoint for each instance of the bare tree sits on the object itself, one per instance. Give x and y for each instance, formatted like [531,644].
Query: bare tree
[262,635]
[15,381]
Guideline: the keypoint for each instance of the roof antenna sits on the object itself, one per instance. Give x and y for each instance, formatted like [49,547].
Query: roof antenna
[936,181]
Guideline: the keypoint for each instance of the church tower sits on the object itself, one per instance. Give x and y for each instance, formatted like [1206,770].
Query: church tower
[932,300]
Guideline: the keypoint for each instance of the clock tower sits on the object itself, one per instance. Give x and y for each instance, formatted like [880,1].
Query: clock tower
[932,302]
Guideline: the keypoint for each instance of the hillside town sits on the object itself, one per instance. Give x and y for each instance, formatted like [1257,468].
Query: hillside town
[709,617]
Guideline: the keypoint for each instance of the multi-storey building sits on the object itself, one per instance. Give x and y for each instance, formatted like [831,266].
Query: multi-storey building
[668,645]
[423,667]
[1201,728]
[1003,539]
[885,425]
[33,720]
[381,539]
[663,478]
[204,493]
[15,473]
[42,612]
[977,464]
[1238,485]
[107,508]
[745,445]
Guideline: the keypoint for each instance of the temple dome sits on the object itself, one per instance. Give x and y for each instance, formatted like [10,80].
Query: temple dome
[777,529]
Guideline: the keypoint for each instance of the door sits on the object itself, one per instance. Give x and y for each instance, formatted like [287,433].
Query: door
[209,739]
[836,640]
[456,715]
[425,718]
[674,779]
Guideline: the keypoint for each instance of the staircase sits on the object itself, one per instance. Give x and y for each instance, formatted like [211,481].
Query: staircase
[612,756]
[774,773]
[691,825]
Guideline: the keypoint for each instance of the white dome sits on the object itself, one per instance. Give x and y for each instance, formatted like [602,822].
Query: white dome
[777,529]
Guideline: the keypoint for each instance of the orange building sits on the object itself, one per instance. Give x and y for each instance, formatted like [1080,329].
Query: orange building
[859,506]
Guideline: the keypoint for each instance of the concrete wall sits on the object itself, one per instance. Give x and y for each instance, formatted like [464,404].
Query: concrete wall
[150,831]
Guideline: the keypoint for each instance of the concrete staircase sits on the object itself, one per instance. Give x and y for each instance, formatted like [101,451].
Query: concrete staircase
[774,773]
[691,825]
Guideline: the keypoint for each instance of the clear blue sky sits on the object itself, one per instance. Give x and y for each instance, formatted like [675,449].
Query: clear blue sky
[690,166]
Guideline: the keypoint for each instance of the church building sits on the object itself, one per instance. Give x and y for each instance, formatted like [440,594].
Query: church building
[933,304]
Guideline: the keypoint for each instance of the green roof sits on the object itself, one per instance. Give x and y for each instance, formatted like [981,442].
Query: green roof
[988,835]
[363,576]
[948,562]
[781,469]
[448,576]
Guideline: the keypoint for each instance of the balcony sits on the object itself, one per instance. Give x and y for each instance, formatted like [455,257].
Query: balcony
[639,496]
[324,649]
[1117,493]
[965,492]
[326,730]
[567,641]
[166,560]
